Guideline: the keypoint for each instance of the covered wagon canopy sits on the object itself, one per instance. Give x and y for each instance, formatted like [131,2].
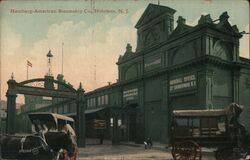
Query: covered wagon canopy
[51,120]
[200,113]
[233,108]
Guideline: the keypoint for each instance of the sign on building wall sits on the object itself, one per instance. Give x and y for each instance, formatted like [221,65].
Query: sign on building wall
[186,82]
[152,62]
[99,124]
[130,94]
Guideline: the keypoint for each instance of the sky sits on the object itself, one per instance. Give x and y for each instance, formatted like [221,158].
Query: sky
[92,41]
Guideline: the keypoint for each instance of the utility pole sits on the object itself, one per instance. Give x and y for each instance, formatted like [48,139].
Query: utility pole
[62,57]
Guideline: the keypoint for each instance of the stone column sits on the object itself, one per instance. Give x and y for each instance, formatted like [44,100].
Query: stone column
[205,88]
[81,124]
[236,50]
[206,46]
[140,134]
[140,115]
[166,110]
[115,136]
[236,76]
[11,112]
[11,107]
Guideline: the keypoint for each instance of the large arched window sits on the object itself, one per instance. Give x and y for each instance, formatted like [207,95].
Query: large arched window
[220,50]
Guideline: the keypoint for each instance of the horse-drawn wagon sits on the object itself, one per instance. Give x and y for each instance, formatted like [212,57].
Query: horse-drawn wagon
[53,138]
[217,129]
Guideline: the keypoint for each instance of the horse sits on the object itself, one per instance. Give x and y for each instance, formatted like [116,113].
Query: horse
[35,147]
[67,144]
[64,155]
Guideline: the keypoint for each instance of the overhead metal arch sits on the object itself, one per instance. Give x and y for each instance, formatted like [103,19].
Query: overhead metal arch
[44,79]
[48,90]
[22,88]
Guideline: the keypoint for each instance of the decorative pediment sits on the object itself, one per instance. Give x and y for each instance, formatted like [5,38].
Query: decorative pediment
[205,19]
[128,53]
[180,29]
[153,11]
[225,26]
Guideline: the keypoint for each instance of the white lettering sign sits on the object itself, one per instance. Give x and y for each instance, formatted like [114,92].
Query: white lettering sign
[183,82]
[130,94]
[155,62]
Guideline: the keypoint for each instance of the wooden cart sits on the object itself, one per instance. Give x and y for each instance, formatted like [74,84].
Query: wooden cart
[215,128]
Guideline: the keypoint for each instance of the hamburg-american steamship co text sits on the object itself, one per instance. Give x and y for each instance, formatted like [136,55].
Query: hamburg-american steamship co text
[68,11]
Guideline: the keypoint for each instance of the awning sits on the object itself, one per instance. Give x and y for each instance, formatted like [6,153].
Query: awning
[70,114]
[89,111]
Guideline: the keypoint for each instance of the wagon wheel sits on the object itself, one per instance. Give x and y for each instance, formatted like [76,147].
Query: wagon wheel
[226,154]
[187,150]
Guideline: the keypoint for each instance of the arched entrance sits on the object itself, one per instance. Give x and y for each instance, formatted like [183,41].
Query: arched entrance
[48,87]
[129,117]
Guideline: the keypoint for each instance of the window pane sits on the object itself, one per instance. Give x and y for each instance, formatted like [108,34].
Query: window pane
[102,100]
[94,102]
[181,122]
[196,122]
[106,99]
[99,101]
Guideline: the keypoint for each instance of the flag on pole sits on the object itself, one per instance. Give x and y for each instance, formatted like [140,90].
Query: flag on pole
[29,64]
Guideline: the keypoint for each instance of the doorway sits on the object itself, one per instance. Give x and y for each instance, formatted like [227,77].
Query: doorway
[129,131]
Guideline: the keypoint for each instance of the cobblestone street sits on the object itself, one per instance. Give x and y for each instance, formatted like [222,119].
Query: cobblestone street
[128,151]
[121,152]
